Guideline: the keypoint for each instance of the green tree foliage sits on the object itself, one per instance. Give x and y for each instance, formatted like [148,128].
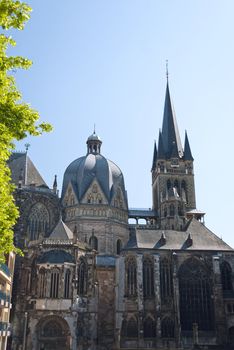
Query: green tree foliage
[17,119]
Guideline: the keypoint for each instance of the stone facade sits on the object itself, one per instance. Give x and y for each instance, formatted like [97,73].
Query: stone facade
[90,280]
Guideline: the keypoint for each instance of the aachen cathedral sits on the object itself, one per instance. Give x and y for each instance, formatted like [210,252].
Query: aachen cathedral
[90,280]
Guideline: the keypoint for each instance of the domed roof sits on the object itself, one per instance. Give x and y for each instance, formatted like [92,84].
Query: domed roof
[94,137]
[84,170]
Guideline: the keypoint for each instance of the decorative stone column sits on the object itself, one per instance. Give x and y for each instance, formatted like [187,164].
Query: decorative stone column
[119,298]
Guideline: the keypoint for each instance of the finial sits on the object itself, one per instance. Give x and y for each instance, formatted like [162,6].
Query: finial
[167,70]
[27,145]
[94,129]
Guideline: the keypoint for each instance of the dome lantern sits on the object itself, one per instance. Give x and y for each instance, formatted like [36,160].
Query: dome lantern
[94,144]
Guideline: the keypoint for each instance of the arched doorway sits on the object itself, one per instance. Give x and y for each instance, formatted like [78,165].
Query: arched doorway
[53,333]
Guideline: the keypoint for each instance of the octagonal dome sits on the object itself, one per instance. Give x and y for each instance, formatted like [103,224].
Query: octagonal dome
[94,167]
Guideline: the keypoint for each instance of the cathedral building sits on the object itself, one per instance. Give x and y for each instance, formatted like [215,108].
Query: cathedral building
[91,280]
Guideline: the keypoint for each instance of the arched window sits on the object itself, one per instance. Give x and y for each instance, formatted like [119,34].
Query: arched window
[168,184]
[148,278]
[38,221]
[93,242]
[52,329]
[176,185]
[131,277]
[226,276]
[67,284]
[165,212]
[231,335]
[54,283]
[172,210]
[149,328]
[167,328]
[42,283]
[130,328]
[184,188]
[166,283]
[196,304]
[118,246]
[82,277]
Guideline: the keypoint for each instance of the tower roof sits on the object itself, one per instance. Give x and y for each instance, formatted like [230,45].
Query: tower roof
[187,149]
[170,131]
[154,157]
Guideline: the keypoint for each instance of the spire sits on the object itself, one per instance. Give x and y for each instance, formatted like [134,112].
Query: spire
[55,185]
[161,152]
[170,131]
[187,150]
[154,157]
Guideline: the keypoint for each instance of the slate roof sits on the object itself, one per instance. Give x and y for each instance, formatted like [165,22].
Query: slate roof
[170,131]
[22,167]
[82,171]
[61,231]
[201,239]
[55,257]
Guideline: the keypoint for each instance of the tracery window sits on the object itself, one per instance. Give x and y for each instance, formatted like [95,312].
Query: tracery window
[131,277]
[93,242]
[196,304]
[118,246]
[130,328]
[226,276]
[42,283]
[166,282]
[54,283]
[167,328]
[168,184]
[67,284]
[172,210]
[38,221]
[82,277]
[149,328]
[148,278]
[52,329]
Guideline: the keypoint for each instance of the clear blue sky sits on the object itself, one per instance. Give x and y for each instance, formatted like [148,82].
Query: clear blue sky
[103,62]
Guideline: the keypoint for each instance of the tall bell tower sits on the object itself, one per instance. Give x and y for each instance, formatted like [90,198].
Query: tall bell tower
[172,172]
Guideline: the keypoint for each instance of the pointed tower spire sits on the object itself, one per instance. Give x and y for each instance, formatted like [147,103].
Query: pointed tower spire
[161,152]
[170,131]
[154,157]
[187,149]
[55,185]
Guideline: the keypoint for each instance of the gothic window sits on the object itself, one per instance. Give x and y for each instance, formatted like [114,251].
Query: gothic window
[166,283]
[54,283]
[184,188]
[67,284]
[42,283]
[172,210]
[226,276]
[149,328]
[93,242]
[168,184]
[52,329]
[118,246]
[130,328]
[196,305]
[176,185]
[38,221]
[148,278]
[165,212]
[131,277]
[82,277]
[231,335]
[167,328]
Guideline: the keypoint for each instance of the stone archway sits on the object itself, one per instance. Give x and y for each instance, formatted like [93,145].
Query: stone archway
[53,333]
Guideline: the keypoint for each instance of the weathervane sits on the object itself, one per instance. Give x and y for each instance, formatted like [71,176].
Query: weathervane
[167,70]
